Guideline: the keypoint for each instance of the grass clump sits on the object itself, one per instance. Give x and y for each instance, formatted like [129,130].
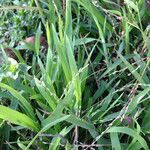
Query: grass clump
[87,87]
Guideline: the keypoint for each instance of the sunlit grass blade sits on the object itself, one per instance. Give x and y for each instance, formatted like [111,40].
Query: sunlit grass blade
[83,41]
[62,55]
[49,97]
[74,70]
[37,39]
[18,118]
[23,102]
[60,107]
[68,22]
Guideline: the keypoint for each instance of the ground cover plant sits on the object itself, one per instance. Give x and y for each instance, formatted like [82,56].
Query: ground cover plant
[87,87]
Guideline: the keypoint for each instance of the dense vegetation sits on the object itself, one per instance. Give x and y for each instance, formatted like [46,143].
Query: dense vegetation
[89,89]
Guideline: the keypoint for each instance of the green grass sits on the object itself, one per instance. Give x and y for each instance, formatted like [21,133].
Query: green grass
[91,89]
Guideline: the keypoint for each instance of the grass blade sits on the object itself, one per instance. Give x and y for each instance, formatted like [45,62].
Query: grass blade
[115,141]
[24,103]
[129,132]
[17,118]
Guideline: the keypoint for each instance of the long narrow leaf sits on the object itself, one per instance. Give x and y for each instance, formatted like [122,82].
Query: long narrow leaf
[24,103]
[17,118]
[129,132]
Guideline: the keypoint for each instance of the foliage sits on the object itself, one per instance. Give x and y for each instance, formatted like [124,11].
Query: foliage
[16,25]
[91,90]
